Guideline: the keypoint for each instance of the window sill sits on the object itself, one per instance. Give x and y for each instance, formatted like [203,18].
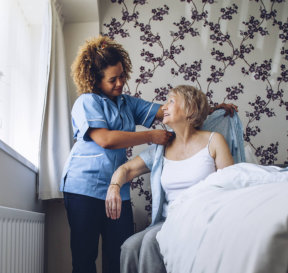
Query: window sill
[12,153]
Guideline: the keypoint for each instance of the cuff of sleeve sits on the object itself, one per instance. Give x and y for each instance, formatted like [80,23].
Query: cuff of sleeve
[91,124]
[146,160]
[148,156]
[151,115]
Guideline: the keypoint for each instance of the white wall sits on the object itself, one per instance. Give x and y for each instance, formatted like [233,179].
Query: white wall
[18,181]
[75,35]
[58,258]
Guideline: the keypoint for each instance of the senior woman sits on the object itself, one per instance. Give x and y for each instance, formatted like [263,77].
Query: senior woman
[190,157]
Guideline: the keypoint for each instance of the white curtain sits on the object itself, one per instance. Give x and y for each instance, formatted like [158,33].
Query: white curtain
[56,139]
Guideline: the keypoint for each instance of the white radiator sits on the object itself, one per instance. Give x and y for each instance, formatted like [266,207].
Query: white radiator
[21,241]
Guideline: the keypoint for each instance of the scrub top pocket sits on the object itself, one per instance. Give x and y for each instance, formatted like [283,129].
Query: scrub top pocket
[90,166]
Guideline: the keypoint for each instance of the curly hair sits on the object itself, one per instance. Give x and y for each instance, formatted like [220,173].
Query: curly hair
[195,104]
[93,58]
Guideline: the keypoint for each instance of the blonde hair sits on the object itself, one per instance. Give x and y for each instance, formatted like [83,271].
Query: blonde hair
[195,104]
[93,58]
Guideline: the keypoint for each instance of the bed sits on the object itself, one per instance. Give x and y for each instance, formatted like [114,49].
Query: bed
[234,221]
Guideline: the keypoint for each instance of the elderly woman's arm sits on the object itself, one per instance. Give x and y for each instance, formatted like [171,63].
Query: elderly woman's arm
[221,151]
[122,175]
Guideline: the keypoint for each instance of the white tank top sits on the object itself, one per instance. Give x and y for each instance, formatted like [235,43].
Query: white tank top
[182,174]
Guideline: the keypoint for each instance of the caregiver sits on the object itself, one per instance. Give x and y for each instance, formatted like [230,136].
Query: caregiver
[104,123]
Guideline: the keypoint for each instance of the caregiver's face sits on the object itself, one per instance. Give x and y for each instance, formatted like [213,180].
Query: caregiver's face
[113,81]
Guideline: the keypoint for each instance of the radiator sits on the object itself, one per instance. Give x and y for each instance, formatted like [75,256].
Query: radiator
[21,241]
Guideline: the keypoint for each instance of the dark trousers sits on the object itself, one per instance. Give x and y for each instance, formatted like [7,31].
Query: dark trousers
[87,220]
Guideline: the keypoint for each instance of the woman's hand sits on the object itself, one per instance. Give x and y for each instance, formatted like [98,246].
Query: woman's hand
[122,175]
[161,137]
[113,202]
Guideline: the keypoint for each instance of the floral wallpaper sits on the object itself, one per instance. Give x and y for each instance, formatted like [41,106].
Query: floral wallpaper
[234,51]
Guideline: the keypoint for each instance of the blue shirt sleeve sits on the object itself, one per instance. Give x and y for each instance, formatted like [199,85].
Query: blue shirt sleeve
[148,156]
[144,112]
[232,130]
[87,112]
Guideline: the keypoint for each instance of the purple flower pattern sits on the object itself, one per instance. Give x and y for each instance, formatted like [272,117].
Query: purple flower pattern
[226,53]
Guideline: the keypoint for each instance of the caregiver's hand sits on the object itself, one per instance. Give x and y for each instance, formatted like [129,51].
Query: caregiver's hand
[229,108]
[161,137]
[113,202]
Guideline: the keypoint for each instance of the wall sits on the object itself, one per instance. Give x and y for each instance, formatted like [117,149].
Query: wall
[234,51]
[18,181]
[75,34]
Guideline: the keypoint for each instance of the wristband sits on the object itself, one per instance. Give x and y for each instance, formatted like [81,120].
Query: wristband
[115,184]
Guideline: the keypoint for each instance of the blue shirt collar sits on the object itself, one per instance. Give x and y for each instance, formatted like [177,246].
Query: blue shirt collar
[120,99]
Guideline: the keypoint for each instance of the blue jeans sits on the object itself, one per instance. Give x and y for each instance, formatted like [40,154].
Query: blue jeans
[87,220]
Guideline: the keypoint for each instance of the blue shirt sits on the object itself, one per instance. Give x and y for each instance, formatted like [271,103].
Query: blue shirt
[230,128]
[89,167]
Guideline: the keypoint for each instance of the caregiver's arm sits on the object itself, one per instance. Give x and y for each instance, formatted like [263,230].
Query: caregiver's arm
[114,139]
[122,175]
[220,151]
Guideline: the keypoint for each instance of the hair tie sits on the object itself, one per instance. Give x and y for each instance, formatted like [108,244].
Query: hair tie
[103,45]
[100,48]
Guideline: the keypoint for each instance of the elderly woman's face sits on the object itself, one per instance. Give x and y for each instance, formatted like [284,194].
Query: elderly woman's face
[113,81]
[173,109]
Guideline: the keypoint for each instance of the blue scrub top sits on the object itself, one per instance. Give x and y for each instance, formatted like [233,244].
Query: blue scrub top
[89,167]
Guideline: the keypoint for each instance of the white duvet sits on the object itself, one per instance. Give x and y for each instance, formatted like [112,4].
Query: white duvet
[234,221]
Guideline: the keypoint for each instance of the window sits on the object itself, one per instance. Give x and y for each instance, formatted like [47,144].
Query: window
[21,90]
